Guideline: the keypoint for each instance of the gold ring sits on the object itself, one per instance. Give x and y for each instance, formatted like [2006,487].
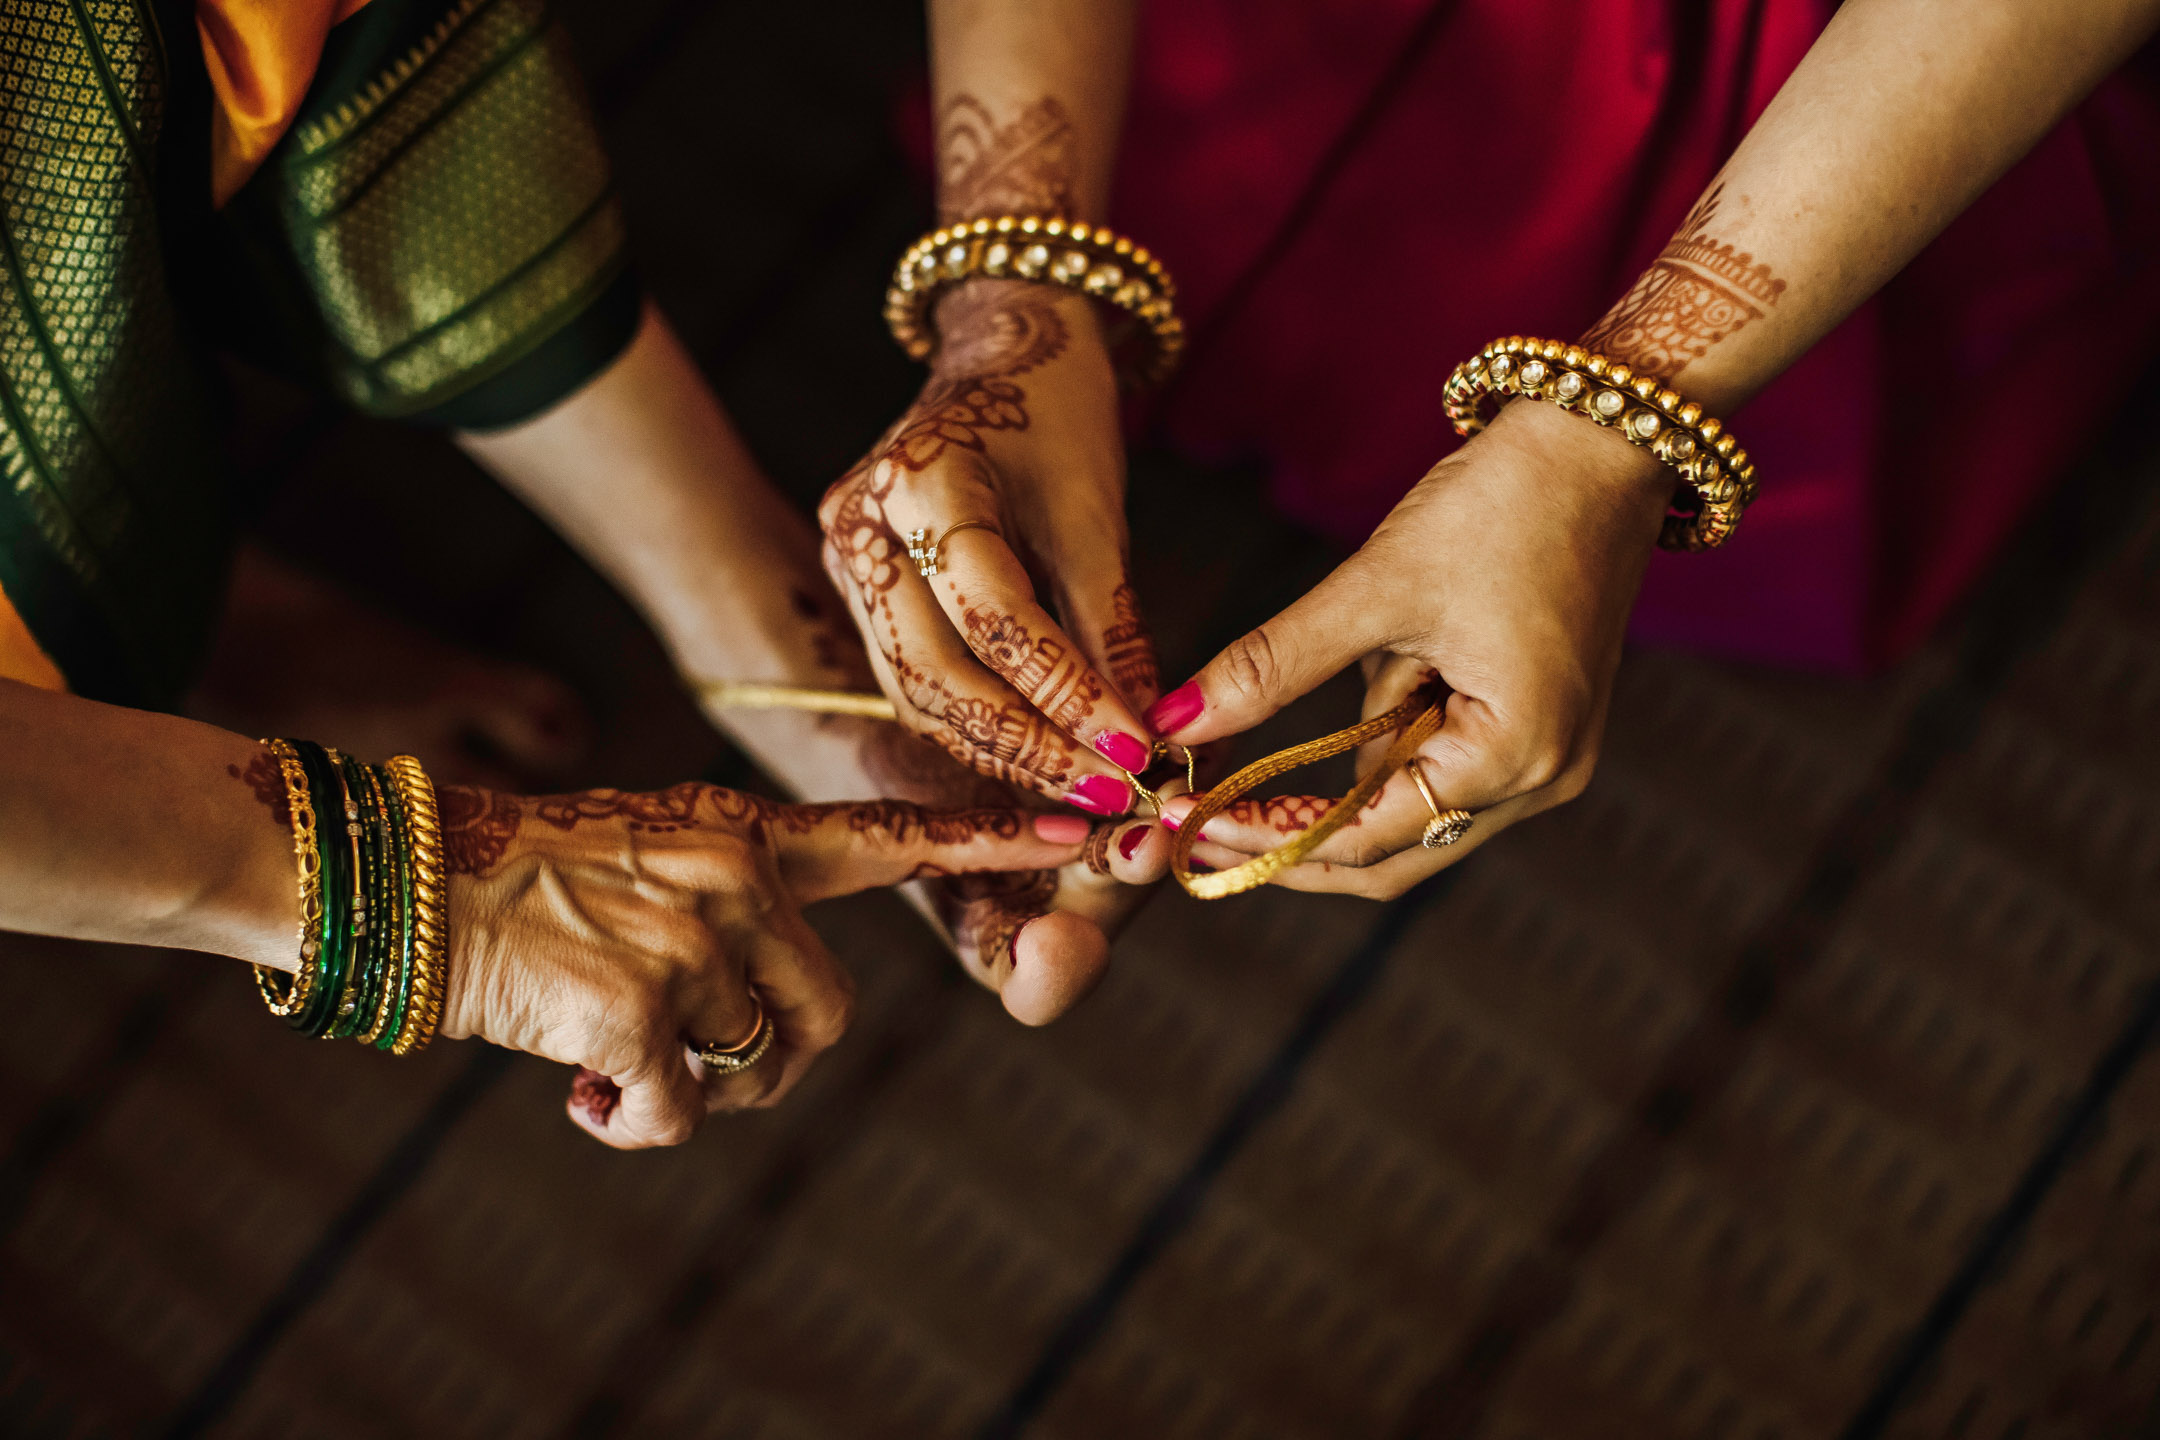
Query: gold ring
[1446,826]
[732,1059]
[927,553]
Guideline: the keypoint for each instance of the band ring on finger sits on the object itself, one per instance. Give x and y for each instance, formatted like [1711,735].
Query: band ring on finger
[1446,826]
[733,1059]
[928,554]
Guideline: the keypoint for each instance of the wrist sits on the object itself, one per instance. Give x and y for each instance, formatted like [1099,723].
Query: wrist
[1587,458]
[968,316]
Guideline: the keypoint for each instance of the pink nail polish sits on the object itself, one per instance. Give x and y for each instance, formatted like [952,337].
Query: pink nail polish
[1169,822]
[1176,710]
[1122,750]
[1061,829]
[1102,795]
[1132,841]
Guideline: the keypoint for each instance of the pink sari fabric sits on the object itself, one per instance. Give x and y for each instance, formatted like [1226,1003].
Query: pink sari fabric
[1516,183]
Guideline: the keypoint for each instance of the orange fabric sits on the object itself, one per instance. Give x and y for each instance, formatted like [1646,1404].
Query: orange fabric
[262,56]
[20,657]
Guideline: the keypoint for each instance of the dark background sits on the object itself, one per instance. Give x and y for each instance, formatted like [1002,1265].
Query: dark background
[1792,1083]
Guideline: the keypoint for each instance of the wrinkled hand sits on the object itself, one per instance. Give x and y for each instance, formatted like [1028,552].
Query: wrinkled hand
[1509,572]
[613,930]
[1016,431]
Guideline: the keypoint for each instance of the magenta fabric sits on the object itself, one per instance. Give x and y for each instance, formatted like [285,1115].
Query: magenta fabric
[1494,198]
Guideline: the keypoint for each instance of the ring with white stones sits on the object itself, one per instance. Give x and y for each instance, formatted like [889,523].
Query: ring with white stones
[732,1059]
[928,554]
[1446,826]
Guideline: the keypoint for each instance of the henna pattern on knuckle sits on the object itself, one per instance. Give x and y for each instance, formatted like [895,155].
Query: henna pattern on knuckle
[1696,293]
[596,1095]
[993,909]
[1130,649]
[1024,168]
[1051,678]
[264,777]
[1096,853]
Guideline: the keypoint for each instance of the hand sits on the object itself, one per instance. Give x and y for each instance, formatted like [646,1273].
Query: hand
[1508,572]
[613,931]
[1017,432]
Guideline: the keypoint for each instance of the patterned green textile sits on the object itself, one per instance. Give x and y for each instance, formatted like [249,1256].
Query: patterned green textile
[436,239]
[112,520]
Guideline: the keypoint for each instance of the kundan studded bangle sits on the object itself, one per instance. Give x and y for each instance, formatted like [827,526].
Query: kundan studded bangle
[1090,259]
[1717,478]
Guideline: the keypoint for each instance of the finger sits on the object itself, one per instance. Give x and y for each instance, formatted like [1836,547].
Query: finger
[725,1014]
[985,592]
[1332,625]
[1103,611]
[1038,960]
[945,693]
[810,1000]
[661,1102]
[1398,872]
[827,850]
[1467,763]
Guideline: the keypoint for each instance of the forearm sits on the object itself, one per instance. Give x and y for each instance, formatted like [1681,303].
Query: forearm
[1029,96]
[643,472]
[122,825]
[1899,116]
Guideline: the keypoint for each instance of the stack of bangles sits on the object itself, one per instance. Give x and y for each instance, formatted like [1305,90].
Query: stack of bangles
[368,847]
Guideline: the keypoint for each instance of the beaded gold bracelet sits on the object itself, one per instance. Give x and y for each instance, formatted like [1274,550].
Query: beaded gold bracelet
[1090,259]
[1717,477]
[308,861]
[430,974]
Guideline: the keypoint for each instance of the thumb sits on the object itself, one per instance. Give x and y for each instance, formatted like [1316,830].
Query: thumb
[827,850]
[1329,628]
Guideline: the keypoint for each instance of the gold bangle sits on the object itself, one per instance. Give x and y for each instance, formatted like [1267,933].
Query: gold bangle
[752,695]
[423,1010]
[1717,477]
[308,860]
[1090,259]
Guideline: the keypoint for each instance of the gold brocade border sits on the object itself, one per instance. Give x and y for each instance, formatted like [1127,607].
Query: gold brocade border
[455,213]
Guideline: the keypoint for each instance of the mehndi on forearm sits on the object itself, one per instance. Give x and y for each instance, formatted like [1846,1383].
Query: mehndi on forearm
[1899,116]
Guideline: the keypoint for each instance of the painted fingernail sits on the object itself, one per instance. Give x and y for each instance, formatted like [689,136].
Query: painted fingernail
[1176,710]
[1102,795]
[1132,840]
[1061,829]
[596,1095]
[1123,750]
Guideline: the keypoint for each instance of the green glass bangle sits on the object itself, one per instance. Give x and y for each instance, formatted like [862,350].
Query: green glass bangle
[383,917]
[356,1012]
[348,1001]
[333,956]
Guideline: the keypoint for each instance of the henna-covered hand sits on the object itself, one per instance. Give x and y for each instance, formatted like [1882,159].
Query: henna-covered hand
[609,930]
[1024,656]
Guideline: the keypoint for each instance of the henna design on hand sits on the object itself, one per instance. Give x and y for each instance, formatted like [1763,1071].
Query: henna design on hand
[994,332]
[264,777]
[595,1094]
[1130,649]
[1096,853]
[1025,168]
[477,827]
[1057,683]
[1697,292]
[987,912]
